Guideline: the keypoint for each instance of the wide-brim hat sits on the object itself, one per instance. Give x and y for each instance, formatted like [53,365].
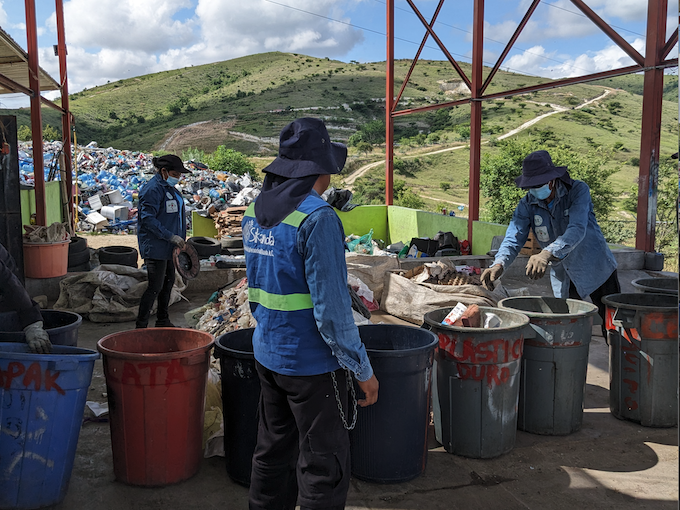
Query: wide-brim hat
[538,169]
[170,162]
[306,149]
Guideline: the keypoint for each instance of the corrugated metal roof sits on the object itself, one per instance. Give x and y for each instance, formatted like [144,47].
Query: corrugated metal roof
[14,65]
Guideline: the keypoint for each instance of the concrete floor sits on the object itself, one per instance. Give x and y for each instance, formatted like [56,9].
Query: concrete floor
[609,463]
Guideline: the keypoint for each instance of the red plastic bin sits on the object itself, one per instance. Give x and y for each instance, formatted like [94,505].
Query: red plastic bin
[155,380]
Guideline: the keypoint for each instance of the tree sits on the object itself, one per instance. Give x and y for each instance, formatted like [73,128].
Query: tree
[364,147]
[445,186]
[498,175]
[373,132]
[50,134]
[24,133]
[229,160]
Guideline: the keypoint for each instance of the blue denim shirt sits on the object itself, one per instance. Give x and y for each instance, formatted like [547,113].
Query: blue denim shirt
[320,242]
[567,228]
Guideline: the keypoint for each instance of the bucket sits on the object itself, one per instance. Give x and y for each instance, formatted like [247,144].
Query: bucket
[653,261]
[389,442]
[642,330]
[554,363]
[42,400]
[46,260]
[478,376]
[155,380]
[62,327]
[240,398]
[656,285]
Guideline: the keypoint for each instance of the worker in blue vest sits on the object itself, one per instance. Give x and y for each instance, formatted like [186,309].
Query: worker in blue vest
[559,210]
[305,342]
[161,226]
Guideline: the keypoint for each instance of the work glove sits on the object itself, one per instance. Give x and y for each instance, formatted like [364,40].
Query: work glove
[177,241]
[37,338]
[538,264]
[491,274]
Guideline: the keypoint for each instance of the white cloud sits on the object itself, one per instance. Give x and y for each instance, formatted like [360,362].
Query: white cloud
[146,26]
[536,61]
[627,10]
[123,38]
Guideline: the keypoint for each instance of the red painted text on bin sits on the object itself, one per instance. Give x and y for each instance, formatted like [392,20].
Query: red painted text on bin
[31,377]
[493,374]
[499,350]
[153,374]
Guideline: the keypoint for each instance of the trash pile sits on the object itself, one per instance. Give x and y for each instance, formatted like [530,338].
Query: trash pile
[226,310]
[441,273]
[109,180]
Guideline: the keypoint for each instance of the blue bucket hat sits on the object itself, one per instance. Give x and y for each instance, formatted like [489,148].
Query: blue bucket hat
[538,169]
[306,149]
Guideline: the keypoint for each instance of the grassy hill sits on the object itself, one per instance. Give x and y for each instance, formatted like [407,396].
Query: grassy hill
[243,103]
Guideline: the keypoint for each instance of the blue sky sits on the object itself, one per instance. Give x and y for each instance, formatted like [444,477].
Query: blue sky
[113,39]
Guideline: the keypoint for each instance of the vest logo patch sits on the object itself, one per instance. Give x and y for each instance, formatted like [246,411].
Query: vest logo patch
[252,236]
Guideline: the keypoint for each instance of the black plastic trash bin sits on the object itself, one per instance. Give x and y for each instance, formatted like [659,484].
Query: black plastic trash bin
[554,363]
[389,442]
[240,397]
[642,330]
[61,326]
[477,383]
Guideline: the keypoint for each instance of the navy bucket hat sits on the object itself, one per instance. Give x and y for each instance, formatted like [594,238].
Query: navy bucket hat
[538,169]
[306,149]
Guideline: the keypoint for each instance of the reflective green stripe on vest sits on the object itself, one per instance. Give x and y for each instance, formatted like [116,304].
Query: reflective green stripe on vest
[293,219]
[282,302]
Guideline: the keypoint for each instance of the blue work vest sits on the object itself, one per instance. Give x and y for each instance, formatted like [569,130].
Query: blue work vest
[286,339]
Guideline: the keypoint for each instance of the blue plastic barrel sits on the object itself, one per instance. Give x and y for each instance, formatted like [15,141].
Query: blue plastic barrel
[42,398]
[61,326]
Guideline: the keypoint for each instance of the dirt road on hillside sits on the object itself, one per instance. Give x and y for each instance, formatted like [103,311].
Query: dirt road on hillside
[350,179]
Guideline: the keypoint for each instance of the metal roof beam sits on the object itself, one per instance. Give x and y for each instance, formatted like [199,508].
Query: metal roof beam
[14,86]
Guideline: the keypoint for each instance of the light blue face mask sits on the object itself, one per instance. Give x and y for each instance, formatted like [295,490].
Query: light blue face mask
[172,181]
[541,193]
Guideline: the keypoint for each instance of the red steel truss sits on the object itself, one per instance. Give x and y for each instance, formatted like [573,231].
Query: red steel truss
[652,64]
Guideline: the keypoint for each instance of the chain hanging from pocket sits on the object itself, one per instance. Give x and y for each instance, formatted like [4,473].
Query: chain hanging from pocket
[352,392]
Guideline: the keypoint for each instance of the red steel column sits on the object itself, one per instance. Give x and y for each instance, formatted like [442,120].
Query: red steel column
[36,118]
[651,124]
[66,116]
[389,106]
[475,115]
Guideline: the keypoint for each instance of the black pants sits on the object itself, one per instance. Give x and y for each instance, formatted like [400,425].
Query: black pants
[611,286]
[302,444]
[161,274]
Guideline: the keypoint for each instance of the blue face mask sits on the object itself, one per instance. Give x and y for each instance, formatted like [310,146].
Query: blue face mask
[172,181]
[541,193]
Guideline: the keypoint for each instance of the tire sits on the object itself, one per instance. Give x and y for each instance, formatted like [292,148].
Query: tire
[121,255]
[79,258]
[205,246]
[232,242]
[234,251]
[78,244]
[80,268]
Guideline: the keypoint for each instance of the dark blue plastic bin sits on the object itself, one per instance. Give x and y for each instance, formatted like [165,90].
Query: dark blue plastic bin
[61,326]
[42,399]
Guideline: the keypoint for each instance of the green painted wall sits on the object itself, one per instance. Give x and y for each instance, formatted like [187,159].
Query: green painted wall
[363,218]
[52,203]
[430,223]
[482,235]
[391,224]
[202,227]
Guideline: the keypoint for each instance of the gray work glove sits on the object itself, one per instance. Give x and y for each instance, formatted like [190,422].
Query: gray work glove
[177,241]
[491,274]
[37,338]
[538,264]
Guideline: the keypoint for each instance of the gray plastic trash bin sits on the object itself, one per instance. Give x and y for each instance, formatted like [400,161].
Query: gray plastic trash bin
[478,383]
[554,363]
[643,357]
